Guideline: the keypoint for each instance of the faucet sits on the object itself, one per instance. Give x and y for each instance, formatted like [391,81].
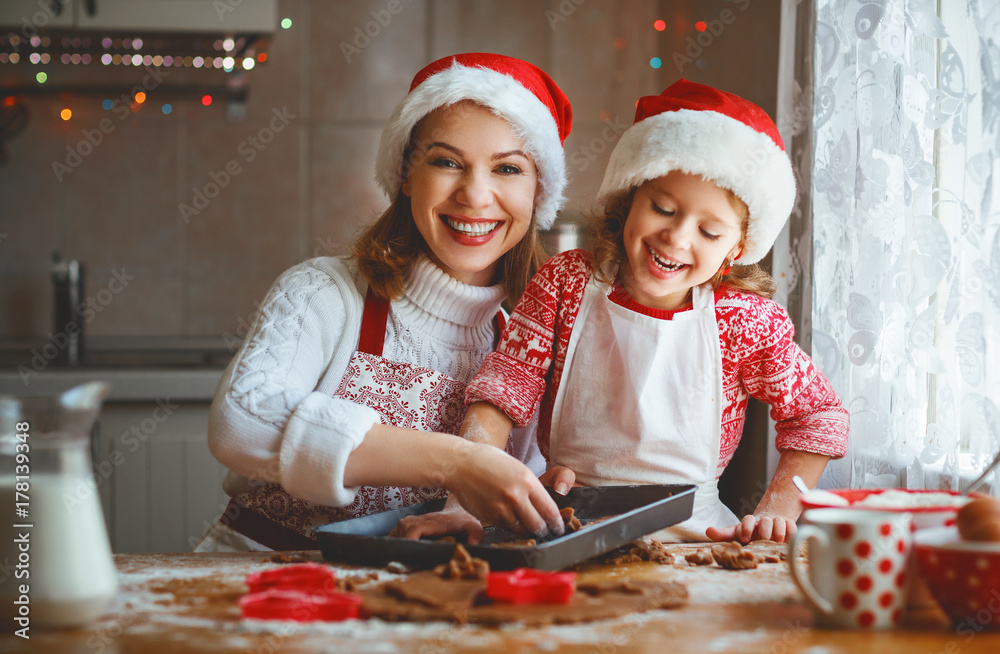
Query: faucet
[67,280]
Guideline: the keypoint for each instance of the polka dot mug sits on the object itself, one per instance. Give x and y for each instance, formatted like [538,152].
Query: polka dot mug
[857,575]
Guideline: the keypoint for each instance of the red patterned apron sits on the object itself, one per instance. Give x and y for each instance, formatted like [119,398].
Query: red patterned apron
[404,395]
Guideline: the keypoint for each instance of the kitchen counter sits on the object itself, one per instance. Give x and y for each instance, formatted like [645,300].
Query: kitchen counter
[127,384]
[139,369]
[186,603]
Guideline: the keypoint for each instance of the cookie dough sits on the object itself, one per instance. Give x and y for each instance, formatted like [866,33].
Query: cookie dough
[732,556]
[529,542]
[425,596]
[571,521]
[456,591]
[700,557]
[463,566]
[640,550]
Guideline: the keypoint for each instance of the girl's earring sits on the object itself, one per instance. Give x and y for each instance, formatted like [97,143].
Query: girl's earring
[729,268]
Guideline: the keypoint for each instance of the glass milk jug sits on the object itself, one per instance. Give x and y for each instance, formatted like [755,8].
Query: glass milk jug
[57,557]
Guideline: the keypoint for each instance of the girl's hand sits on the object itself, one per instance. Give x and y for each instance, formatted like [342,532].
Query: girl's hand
[452,519]
[560,478]
[774,517]
[756,527]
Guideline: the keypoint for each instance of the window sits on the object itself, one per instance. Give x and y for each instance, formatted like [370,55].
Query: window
[900,233]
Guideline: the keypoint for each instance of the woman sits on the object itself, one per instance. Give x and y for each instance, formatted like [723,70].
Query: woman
[344,397]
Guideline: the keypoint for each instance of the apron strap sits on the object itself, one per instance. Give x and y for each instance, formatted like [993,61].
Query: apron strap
[373,321]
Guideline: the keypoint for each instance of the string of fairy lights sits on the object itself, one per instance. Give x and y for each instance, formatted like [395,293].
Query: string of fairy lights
[127,51]
[660,25]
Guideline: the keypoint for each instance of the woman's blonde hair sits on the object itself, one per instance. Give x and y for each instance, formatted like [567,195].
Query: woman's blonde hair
[388,249]
[609,247]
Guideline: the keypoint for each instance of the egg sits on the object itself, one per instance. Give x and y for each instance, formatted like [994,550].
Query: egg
[980,520]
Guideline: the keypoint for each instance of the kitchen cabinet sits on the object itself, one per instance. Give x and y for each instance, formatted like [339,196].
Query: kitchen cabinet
[142,15]
[26,17]
[160,486]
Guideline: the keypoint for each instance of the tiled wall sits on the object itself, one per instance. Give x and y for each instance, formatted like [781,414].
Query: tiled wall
[309,189]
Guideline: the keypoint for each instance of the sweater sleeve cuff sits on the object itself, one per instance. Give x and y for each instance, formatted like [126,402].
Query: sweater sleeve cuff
[320,436]
[505,383]
[822,433]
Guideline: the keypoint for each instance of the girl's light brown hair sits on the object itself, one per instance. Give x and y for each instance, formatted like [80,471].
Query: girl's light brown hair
[388,249]
[609,247]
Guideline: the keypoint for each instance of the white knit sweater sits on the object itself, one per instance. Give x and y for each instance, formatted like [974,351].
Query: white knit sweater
[274,418]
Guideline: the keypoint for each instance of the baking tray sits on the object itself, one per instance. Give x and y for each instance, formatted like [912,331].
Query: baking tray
[635,511]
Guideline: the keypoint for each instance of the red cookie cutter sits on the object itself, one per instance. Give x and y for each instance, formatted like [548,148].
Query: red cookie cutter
[303,592]
[303,576]
[282,604]
[530,586]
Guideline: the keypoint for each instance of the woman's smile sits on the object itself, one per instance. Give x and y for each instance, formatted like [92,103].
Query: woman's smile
[476,230]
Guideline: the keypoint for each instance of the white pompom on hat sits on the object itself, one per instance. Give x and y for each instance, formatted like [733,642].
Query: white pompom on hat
[515,90]
[727,140]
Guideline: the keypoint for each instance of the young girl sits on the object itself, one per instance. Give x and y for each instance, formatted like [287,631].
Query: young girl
[345,396]
[642,356]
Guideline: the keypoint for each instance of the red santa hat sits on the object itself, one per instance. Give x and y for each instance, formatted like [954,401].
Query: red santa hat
[722,137]
[513,89]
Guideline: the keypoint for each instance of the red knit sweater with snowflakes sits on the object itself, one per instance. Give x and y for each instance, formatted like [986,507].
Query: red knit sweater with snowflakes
[759,358]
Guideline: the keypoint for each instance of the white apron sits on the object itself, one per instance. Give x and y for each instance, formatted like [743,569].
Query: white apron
[640,402]
[404,395]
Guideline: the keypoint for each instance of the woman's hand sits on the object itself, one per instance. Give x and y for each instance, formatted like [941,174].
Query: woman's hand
[452,519]
[500,490]
[560,478]
[491,485]
[756,527]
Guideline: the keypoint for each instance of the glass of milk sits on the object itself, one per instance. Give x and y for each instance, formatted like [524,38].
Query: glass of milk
[53,541]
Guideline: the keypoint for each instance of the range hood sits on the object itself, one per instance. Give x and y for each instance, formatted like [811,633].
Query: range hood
[101,47]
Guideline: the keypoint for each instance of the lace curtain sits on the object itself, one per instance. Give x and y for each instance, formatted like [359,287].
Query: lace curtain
[893,117]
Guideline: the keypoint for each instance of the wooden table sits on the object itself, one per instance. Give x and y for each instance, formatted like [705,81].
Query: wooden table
[186,603]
